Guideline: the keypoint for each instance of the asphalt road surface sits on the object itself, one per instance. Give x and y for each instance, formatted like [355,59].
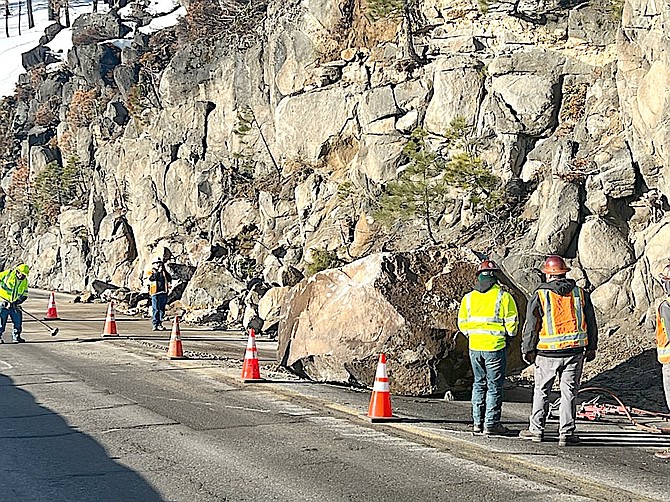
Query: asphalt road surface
[91,419]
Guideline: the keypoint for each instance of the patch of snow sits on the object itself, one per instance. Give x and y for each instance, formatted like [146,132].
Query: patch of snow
[161,7]
[62,42]
[126,12]
[13,46]
[162,22]
[121,43]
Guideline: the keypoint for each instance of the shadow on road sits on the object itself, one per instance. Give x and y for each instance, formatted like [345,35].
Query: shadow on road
[44,459]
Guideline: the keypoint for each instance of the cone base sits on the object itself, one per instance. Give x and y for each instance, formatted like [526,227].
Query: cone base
[174,357]
[252,380]
[109,335]
[377,420]
[51,318]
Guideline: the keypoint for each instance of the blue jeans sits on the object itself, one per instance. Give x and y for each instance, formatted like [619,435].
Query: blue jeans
[17,320]
[488,368]
[158,303]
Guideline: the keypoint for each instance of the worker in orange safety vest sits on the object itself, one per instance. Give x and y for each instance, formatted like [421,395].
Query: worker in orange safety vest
[663,342]
[559,335]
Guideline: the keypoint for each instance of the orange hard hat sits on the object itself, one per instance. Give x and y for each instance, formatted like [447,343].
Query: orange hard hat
[555,265]
[488,266]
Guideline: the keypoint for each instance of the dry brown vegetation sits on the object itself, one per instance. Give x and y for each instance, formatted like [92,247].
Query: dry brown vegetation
[359,29]
[83,107]
[47,112]
[18,194]
[236,21]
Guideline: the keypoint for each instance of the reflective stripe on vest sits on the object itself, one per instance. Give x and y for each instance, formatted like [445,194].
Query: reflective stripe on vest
[485,333]
[496,312]
[662,341]
[563,323]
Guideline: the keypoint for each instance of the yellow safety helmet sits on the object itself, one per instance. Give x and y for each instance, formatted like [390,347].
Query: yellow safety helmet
[24,269]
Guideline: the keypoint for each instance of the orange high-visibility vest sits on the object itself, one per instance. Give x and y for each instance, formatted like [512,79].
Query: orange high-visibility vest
[662,341]
[563,323]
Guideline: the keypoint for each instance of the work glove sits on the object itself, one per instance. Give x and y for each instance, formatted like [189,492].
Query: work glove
[590,355]
[529,358]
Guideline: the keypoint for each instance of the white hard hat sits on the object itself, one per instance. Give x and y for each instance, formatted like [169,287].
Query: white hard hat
[158,259]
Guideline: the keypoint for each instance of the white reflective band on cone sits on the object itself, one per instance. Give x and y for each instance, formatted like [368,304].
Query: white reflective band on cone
[381,386]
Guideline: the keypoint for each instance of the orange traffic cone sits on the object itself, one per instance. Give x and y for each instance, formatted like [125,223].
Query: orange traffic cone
[250,369]
[52,313]
[110,322]
[175,350]
[380,401]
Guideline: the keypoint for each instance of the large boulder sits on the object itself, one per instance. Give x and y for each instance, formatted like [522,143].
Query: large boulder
[603,250]
[295,117]
[556,229]
[458,88]
[334,324]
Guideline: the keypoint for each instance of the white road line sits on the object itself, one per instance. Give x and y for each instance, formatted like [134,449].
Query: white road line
[6,365]
[247,409]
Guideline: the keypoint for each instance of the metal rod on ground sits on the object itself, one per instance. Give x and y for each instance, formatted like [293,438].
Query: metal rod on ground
[54,331]
[627,412]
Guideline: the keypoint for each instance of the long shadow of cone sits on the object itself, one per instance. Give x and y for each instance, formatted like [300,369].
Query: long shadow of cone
[380,401]
[175,350]
[251,371]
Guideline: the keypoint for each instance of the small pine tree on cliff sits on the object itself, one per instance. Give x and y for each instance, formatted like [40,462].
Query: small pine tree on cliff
[419,189]
[430,180]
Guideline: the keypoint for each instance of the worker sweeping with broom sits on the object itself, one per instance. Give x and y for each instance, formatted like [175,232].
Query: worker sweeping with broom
[13,292]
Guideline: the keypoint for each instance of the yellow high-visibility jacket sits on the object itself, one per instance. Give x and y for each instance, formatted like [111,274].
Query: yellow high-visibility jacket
[13,289]
[487,318]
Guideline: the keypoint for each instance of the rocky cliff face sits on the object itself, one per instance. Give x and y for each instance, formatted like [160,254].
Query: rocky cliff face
[243,161]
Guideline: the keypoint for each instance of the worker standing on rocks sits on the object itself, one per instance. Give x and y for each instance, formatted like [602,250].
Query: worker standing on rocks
[13,292]
[560,333]
[663,343]
[488,317]
[159,286]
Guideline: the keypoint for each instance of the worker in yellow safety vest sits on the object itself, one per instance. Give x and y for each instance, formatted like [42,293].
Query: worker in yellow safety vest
[488,317]
[559,335]
[13,292]
[663,342]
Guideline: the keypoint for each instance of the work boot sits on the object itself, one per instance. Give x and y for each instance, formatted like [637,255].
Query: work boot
[663,454]
[160,327]
[18,339]
[530,435]
[477,428]
[2,340]
[571,439]
[155,328]
[497,429]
